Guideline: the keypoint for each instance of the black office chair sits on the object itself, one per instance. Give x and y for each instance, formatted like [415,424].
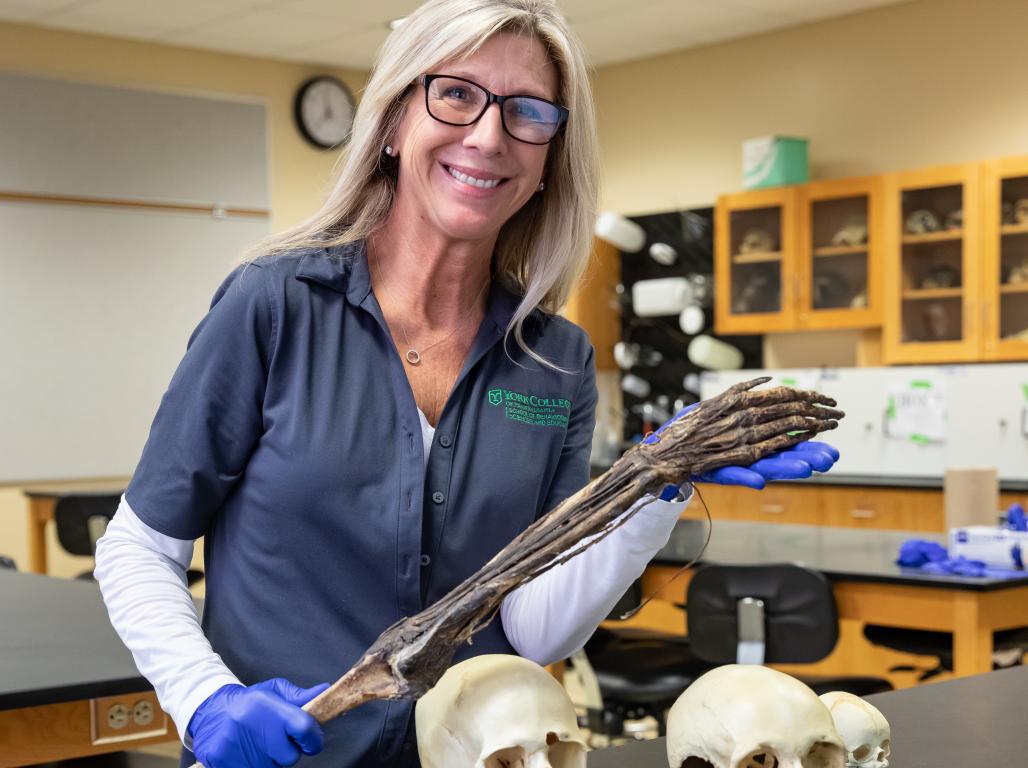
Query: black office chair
[754,614]
[82,519]
[923,642]
[8,564]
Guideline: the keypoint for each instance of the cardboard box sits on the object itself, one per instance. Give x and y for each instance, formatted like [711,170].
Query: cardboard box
[774,161]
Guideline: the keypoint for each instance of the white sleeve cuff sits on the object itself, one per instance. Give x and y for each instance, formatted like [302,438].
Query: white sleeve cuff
[551,617]
[142,576]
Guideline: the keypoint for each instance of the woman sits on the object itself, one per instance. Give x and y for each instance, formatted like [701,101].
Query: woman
[380,401]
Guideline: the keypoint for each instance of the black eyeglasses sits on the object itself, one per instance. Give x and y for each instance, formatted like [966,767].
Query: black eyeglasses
[456,101]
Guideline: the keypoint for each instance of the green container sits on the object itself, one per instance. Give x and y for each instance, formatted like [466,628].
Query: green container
[774,161]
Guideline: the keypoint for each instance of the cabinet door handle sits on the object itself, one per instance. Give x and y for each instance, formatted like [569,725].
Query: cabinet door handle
[863,514]
[772,509]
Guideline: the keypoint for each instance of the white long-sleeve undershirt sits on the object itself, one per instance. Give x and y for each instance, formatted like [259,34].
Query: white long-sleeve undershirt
[141,573]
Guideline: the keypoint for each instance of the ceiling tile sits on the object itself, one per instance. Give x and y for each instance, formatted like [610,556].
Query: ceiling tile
[30,10]
[355,50]
[267,32]
[380,12]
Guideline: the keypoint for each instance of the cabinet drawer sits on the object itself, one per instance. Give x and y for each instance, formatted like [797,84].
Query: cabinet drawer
[885,508]
[777,503]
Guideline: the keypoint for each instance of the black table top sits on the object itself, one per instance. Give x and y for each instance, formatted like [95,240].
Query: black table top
[57,644]
[975,721]
[841,554]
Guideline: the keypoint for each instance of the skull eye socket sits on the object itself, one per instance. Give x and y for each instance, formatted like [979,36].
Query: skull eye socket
[823,754]
[886,748]
[862,752]
[760,760]
[696,762]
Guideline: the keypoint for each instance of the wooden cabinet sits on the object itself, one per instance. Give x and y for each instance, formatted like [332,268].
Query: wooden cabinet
[1004,249]
[901,509]
[843,506]
[932,294]
[755,252]
[840,261]
[799,258]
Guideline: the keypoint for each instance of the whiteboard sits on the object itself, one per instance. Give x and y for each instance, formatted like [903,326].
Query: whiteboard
[97,303]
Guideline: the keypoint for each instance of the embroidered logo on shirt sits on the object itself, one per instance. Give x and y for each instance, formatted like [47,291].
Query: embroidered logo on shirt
[531,409]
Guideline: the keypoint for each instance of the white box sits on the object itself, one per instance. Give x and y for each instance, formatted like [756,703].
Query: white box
[997,547]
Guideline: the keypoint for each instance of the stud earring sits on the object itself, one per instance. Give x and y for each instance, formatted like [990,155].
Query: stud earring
[542,186]
[389,150]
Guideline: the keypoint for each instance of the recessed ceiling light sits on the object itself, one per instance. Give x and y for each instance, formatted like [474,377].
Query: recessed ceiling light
[397,22]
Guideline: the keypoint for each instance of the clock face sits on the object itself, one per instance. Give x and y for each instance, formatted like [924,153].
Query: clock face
[324,111]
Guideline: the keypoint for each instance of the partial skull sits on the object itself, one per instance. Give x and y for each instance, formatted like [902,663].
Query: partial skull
[498,711]
[921,222]
[757,241]
[864,730]
[749,716]
[854,233]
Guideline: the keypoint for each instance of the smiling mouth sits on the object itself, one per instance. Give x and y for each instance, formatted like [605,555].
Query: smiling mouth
[472,181]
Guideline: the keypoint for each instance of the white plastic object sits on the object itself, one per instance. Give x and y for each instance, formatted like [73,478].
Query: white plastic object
[691,383]
[663,296]
[748,716]
[863,728]
[713,354]
[635,385]
[626,355]
[662,253]
[498,710]
[691,320]
[620,232]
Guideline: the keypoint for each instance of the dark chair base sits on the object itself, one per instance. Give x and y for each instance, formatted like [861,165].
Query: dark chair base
[923,642]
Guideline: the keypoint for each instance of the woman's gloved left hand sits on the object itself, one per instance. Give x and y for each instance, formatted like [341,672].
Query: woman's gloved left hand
[794,463]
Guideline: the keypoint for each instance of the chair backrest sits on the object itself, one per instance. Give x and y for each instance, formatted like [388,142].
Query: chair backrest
[775,614]
[82,519]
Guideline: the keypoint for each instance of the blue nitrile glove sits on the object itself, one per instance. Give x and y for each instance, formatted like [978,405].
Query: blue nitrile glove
[915,553]
[1016,518]
[794,463]
[261,726]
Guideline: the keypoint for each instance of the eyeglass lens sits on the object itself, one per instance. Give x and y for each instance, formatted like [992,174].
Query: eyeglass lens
[459,102]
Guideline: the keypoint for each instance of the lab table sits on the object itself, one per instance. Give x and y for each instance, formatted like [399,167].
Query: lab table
[974,721]
[869,587]
[64,673]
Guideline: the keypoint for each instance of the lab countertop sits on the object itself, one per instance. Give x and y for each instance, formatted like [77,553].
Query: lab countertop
[841,554]
[973,721]
[57,644]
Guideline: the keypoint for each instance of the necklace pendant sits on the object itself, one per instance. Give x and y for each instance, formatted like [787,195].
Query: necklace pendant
[413,357]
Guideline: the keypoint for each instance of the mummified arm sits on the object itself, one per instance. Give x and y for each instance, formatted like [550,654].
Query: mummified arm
[738,427]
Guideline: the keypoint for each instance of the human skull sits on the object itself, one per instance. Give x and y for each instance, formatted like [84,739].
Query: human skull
[854,233]
[498,711]
[922,221]
[757,241]
[954,219]
[1021,211]
[749,716]
[864,730]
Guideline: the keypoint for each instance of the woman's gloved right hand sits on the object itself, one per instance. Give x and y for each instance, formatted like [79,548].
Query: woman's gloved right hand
[260,726]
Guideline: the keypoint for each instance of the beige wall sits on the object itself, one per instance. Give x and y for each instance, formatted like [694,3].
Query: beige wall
[922,83]
[298,173]
[917,84]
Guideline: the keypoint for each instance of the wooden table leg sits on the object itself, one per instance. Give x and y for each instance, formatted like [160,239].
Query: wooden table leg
[972,636]
[41,511]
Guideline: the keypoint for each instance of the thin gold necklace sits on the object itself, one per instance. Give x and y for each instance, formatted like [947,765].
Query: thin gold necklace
[412,355]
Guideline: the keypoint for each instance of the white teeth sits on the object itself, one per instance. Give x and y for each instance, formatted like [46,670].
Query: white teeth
[480,183]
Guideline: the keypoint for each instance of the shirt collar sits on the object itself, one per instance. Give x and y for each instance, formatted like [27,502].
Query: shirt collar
[345,269]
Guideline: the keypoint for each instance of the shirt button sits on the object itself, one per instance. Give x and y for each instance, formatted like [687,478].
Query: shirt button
[425,560]
[438,497]
[445,441]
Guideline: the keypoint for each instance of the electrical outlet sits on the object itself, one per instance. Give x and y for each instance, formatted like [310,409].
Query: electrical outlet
[127,718]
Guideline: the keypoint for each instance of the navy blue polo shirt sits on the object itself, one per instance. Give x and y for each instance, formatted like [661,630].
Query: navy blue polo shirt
[290,439]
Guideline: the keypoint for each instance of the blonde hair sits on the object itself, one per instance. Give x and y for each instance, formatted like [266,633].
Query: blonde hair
[542,249]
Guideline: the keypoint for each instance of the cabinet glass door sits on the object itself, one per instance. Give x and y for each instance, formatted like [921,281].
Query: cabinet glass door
[1005,250]
[933,284]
